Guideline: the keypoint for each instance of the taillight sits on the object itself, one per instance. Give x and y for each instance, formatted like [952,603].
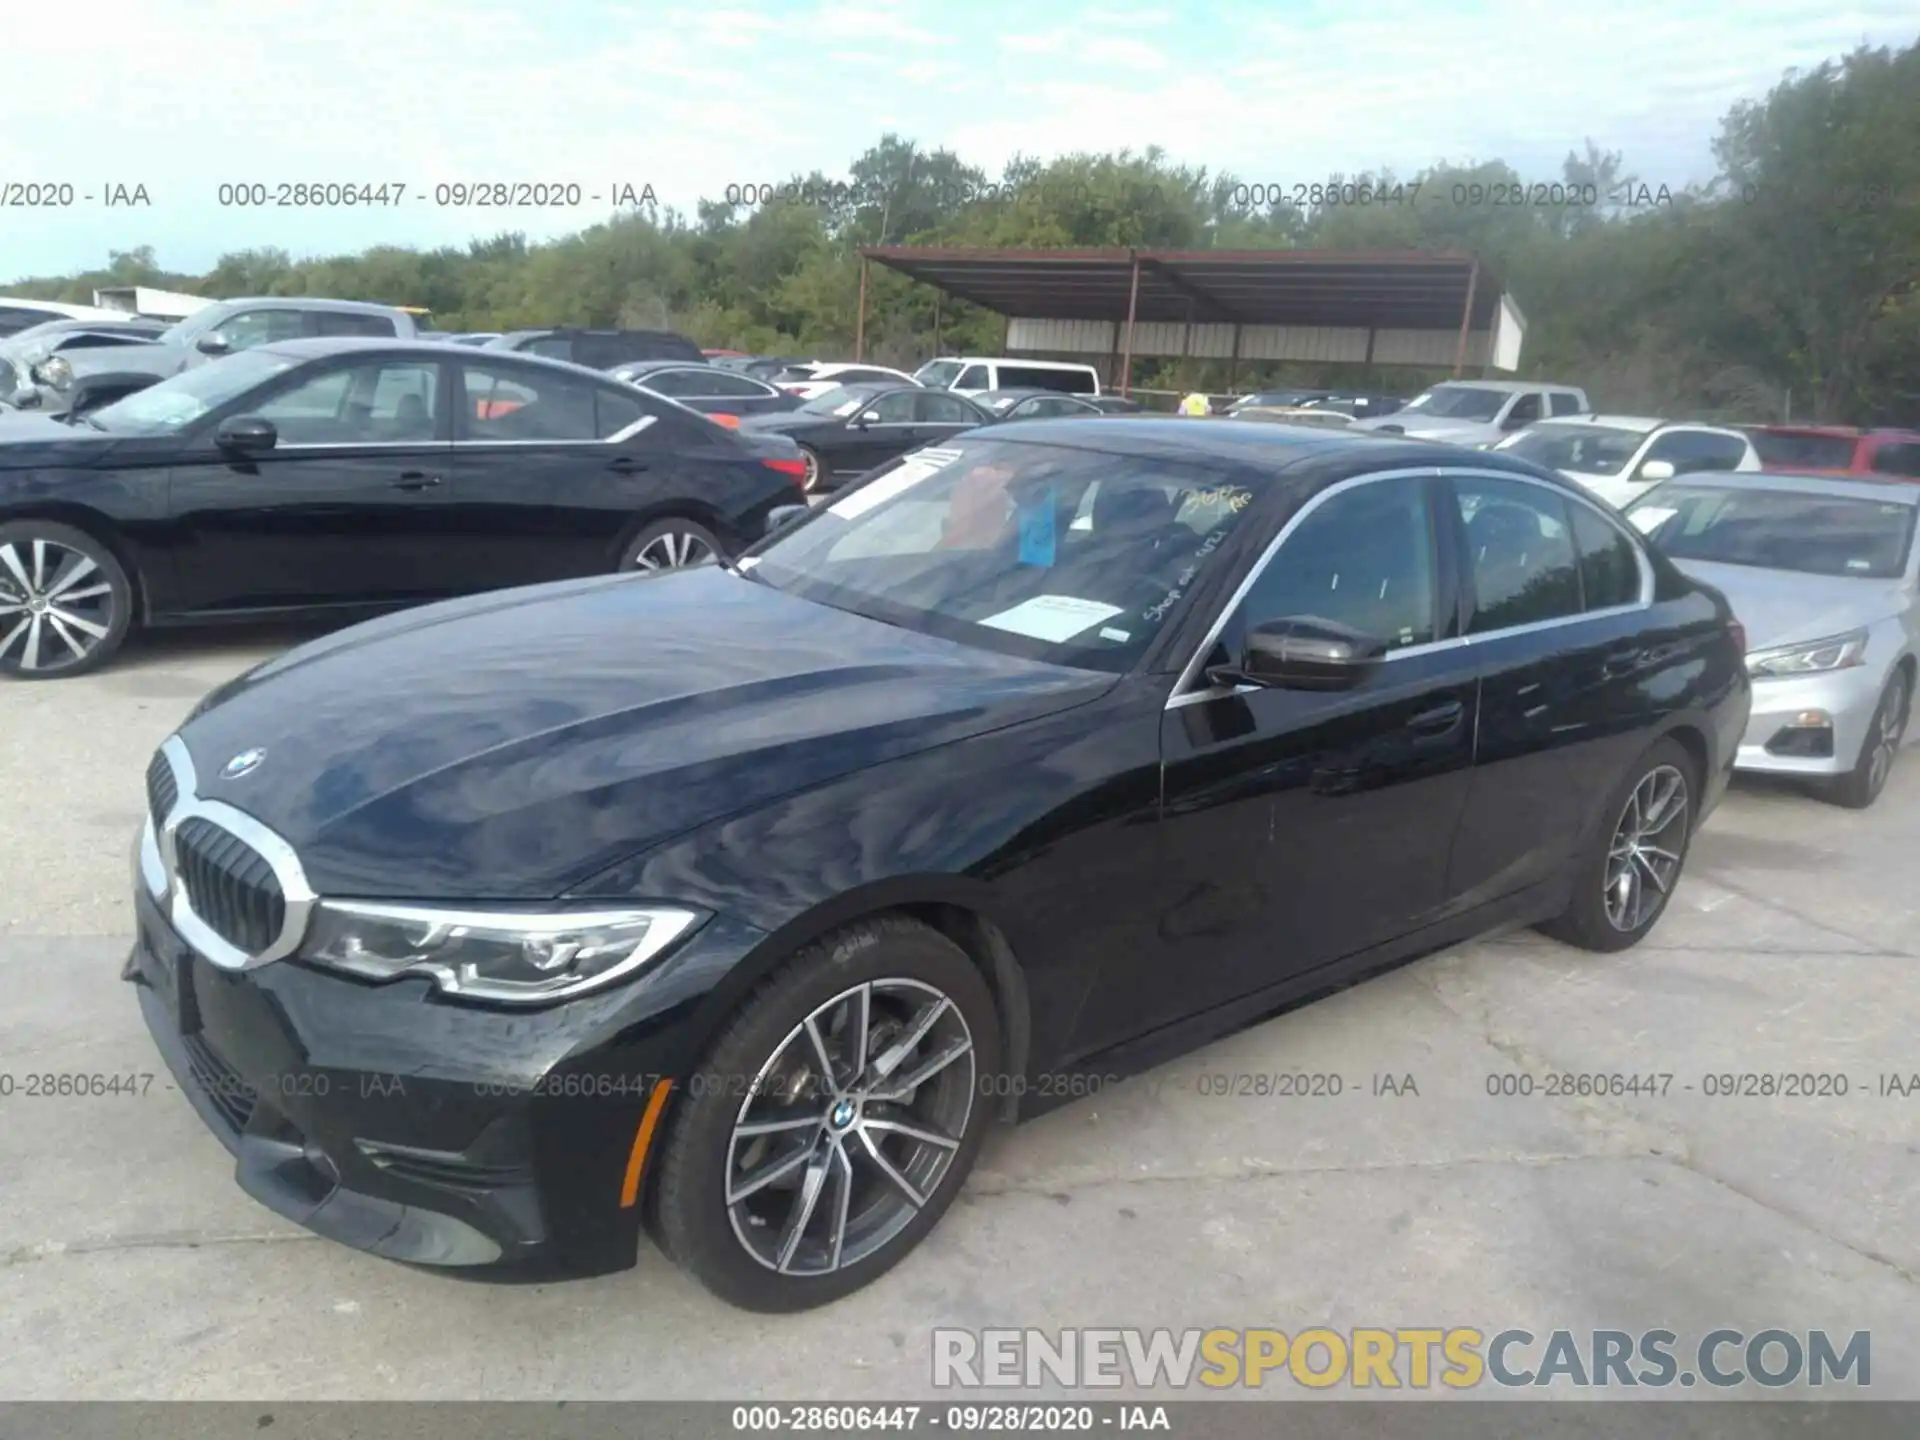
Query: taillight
[795,470]
[725,421]
[1739,633]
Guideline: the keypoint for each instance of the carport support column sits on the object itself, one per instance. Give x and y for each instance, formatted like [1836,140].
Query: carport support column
[1466,320]
[860,317]
[1126,352]
[1233,360]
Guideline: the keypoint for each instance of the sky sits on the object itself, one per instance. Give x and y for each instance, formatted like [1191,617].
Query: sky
[180,97]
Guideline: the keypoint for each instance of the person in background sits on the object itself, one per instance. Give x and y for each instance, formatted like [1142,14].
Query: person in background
[1196,404]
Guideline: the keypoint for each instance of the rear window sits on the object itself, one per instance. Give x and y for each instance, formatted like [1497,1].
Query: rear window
[1033,377]
[1802,451]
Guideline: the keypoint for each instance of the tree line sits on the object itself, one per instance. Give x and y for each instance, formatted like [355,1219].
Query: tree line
[1787,287]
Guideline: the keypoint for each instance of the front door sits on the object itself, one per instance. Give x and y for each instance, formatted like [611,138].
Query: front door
[348,507]
[1300,827]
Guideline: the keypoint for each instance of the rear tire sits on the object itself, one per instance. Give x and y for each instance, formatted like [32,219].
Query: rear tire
[671,544]
[819,476]
[1861,786]
[820,1190]
[1627,873]
[65,602]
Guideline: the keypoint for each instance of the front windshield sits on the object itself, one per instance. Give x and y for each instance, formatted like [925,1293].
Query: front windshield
[1813,534]
[1589,449]
[841,400]
[172,405]
[938,374]
[1071,556]
[1459,402]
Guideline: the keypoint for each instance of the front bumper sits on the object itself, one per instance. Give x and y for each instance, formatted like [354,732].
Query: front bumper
[1781,738]
[425,1131]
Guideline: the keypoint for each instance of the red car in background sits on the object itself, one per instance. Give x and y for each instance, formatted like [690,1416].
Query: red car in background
[1837,450]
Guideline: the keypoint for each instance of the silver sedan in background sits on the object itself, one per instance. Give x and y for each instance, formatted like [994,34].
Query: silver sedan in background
[1822,573]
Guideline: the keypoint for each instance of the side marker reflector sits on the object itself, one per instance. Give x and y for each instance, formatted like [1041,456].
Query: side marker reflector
[642,1141]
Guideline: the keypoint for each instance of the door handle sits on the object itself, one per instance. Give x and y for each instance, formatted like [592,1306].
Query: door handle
[626,465]
[1438,720]
[415,480]
[1623,662]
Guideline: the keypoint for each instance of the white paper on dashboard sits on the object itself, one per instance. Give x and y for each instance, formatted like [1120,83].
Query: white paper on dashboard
[1051,617]
[916,468]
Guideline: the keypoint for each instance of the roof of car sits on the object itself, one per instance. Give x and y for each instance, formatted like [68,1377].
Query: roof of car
[313,347]
[649,366]
[1835,432]
[1890,489]
[307,302]
[1642,423]
[1509,386]
[1313,455]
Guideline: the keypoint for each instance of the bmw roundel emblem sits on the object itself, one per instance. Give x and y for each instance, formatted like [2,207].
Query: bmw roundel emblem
[245,763]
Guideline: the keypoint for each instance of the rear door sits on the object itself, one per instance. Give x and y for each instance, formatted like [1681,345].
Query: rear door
[1556,597]
[939,415]
[893,430]
[349,506]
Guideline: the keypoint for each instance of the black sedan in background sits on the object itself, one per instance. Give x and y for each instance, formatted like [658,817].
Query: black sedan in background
[1033,404]
[735,903]
[852,428]
[342,475]
[710,389]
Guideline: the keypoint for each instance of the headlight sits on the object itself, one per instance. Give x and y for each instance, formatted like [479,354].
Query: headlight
[56,371]
[1836,653]
[523,958]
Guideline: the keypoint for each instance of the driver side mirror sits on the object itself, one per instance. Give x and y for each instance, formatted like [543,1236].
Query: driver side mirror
[213,343]
[246,433]
[866,418]
[1305,653]
[1655,470]
[781,516]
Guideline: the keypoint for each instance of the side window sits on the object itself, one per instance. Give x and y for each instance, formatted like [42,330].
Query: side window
[336,322]
[895,408]
[1609,563]
[15,318]
[725,385]
[550,347]
[936,407]
[367,404]
[1363,558]
[862,377]
[1692,450]
[260,327]
[974,377]
[1564,402]
[617,410]
[1897,458]
[1525,411]
[1519,554]
[504,404]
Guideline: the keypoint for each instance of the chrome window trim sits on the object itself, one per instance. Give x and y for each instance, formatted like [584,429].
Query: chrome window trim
[624,433]
[1190,672]
[160,869]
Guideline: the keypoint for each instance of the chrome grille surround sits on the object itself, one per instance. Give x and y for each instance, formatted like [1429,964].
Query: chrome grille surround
[159,866]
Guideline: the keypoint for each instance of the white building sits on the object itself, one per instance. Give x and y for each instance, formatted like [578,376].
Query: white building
[148,303]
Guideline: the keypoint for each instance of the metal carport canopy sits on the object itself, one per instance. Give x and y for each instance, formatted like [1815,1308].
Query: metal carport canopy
[1381,307]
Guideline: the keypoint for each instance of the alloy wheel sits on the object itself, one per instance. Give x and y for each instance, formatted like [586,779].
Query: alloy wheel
[810,482]
[56,605]
[1644,857]
[1889,724]
[671,551]
[850,1127]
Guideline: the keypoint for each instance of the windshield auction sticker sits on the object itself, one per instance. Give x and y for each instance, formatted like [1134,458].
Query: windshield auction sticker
[1051,617]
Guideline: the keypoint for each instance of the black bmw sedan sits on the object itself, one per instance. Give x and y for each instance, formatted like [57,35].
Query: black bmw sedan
[852,428]
[347,476]
[734,903]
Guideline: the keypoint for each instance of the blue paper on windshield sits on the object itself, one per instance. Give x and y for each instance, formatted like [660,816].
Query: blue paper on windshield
[1036,531]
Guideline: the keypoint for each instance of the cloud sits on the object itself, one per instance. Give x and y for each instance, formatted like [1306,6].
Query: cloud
[185,95]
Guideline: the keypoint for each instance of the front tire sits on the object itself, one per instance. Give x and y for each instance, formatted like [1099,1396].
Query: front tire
[1861,786]
[1627,874]
[819,477]
[670,544]
[65,602]
[833,1120]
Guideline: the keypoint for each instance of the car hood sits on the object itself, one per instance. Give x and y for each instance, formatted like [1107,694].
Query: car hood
[30,441]
[1781,608]
[783,422]
[147,359]
[515,745]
